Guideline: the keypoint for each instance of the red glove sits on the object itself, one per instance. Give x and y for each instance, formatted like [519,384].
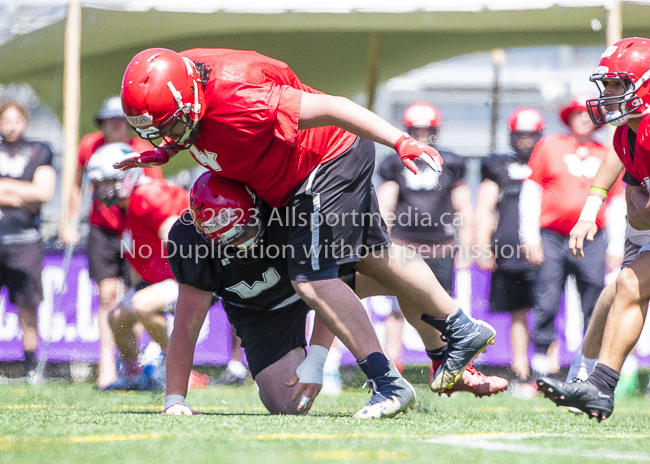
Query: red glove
[409,149]
[145,159]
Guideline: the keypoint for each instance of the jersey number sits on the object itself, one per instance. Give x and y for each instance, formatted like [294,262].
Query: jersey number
[271,278]
[206,158]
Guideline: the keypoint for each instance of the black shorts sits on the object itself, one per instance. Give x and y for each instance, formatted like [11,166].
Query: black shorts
[267,336]
[20,271]
[511,291]
[104,258]
[337,220]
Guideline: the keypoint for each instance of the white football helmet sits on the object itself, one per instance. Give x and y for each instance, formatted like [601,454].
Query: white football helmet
[100,169]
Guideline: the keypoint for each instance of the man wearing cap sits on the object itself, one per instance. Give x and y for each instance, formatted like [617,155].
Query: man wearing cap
[562,169]
[106,266]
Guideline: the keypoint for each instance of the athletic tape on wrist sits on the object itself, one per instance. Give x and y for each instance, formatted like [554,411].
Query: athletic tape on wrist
[171,400]
[311,369]
[591,208]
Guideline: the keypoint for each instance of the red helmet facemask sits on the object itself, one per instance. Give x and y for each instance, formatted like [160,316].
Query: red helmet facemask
[162,97]
[627,62]
[224,210]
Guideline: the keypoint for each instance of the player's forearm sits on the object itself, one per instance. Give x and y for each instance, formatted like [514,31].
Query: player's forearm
[28,192]
[321,335]
[191,308]
[317,110]
[637,214]
[180,358]
[608,172]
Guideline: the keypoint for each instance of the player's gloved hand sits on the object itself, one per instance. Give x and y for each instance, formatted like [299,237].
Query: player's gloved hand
[309,378]
[410,149]
[145,159]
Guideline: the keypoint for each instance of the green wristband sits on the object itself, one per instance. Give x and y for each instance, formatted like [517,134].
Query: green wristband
[599,190]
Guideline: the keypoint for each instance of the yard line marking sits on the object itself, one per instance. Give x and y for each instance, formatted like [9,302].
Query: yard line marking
[36,406]
[349,455]
[12,443]
[488,442]
[329,436]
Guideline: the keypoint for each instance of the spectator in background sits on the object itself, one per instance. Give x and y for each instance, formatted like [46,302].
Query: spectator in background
[27,181]
[562,170]
[105,264]
[430,212]
[497,231]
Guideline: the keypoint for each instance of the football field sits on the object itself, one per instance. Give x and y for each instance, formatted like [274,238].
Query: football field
[61,422]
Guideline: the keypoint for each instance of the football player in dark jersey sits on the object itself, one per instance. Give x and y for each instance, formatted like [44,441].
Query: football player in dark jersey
[27,181]
[622,78]
[242,259]
[497,228]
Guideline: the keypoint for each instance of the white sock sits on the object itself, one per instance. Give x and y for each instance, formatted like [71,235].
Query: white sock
[539,363]
[237,368]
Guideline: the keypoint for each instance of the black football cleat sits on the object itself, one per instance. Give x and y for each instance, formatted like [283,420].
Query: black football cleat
[582,395]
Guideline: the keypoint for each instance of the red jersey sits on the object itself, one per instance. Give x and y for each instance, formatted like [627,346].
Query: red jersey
[635,158]
[151,204]
[250,129]
[565,170]
[100,214]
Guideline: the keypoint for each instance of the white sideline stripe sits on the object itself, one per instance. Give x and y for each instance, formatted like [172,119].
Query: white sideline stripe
[489,444]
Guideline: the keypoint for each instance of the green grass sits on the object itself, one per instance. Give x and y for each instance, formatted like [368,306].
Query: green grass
[63,422]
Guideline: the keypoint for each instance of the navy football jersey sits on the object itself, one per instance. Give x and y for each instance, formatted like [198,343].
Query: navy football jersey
[258,281]
[19,161]
[424,212]
[508,173]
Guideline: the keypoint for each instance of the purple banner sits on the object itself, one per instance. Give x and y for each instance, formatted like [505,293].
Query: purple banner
[73,333]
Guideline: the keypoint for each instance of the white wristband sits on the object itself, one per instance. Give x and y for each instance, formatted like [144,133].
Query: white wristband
[591,208]
[311,369]
[171,400]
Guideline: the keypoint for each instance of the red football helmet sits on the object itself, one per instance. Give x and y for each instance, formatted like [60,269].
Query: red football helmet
[224,210]
[161,89]
[526,119]
[422,121]
[525,126]
[628,63]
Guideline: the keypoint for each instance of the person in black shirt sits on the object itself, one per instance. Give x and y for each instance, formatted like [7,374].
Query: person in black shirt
[497,231]
[27,180]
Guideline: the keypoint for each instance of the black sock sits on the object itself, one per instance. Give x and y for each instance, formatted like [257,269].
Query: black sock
[30,362]
[605,378]
[437,323]
[374,365]
[437,354]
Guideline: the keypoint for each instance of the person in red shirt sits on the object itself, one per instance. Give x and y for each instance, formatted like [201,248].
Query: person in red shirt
[249,118]
[624,101]
[147,210]
[562,169]
[105,266]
